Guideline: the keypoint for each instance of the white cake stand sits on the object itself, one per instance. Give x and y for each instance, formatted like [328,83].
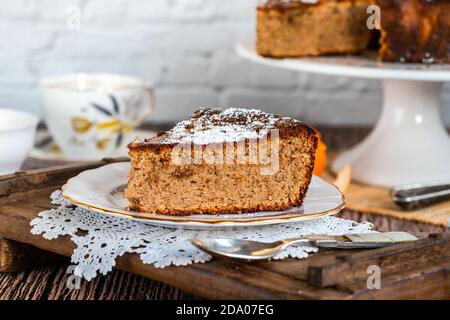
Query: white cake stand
[409,143]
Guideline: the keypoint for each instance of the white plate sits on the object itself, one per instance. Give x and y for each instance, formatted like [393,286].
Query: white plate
[101,190]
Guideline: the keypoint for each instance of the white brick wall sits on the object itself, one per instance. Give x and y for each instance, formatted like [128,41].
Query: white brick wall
[185,47]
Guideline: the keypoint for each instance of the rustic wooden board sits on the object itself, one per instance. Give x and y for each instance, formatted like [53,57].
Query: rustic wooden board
[318,277]
[375,201]
[16,256]
[49,283]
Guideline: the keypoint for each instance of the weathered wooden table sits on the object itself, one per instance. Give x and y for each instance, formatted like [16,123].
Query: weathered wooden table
[49,282]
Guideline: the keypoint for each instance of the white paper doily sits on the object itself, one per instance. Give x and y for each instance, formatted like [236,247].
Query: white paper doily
[104,237]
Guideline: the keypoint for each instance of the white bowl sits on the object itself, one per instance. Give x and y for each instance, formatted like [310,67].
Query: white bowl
[17,130]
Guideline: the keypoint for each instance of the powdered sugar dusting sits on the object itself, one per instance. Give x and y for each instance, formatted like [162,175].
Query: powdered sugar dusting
[208,126]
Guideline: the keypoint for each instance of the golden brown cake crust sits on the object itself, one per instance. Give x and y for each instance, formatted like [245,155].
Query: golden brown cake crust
[151,162]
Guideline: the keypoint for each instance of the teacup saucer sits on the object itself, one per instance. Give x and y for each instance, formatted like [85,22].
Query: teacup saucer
[45,147]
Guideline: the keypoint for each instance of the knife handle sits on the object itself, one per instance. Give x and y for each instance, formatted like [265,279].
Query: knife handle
[367,240]
[409,197]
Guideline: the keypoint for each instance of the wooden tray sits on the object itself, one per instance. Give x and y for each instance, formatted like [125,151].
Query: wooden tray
[411,270]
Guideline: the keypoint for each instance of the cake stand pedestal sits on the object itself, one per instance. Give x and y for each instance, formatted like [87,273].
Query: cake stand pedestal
[409,143]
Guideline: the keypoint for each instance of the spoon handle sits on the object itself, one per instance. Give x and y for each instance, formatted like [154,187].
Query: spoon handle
[352,241]
[309,240]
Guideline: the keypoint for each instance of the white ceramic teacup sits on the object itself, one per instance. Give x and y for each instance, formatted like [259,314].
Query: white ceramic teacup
[90,116]
[17,130]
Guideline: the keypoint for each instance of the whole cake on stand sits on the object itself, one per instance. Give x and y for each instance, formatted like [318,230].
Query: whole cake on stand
[410,30]
[409,144]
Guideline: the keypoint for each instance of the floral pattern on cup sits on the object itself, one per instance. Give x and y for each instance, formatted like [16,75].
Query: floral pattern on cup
[116,127]
[90,116]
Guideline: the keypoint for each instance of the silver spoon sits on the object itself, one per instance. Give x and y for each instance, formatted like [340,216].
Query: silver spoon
[254,250]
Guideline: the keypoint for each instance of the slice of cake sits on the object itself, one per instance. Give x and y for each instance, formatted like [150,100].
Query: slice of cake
[415,30]
[300,28]
[223,161]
